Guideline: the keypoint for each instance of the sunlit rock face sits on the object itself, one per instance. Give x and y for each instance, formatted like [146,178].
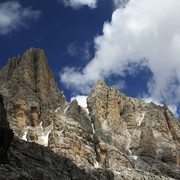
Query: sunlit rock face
[30,95]
[116,137]
[133,134]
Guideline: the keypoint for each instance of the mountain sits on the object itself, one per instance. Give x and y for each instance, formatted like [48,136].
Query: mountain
[25,160]
[45,137]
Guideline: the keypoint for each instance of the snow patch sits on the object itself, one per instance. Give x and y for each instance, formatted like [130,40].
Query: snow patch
[116,172]
[141,119]
[41,125]
[130,152]
[93,128]
[57,109]
[134,157]
[46,137]
[66,109]
[61,131]
[96,164]
[25,136]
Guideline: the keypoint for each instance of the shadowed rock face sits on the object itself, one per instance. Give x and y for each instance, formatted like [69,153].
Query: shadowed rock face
[6,134]
[115,137]
[33,161]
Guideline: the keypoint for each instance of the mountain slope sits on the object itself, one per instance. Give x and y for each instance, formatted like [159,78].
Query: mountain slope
[25,160]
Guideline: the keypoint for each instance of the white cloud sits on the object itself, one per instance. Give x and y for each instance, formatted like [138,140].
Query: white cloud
[78,3]
[173,108]
[143,29]
[120,85]
[120,3]
[13,16]
[72,49]
[75,50]
[150,99]
[81,100]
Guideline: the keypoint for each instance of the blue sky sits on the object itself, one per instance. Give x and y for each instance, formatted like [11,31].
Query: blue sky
[134,46]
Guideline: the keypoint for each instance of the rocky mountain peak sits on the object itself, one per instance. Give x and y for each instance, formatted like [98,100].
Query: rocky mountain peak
[100,83]
[30,70]
[30,93]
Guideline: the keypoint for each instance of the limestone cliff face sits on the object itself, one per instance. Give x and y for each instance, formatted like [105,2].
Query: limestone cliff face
[30,94]
[24,160]
[72,136]
[143,135]
[115,137]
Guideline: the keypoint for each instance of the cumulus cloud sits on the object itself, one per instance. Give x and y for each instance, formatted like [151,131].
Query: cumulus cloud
[81,100]
[13,16]
[78,3]
[143,34]
[173,108]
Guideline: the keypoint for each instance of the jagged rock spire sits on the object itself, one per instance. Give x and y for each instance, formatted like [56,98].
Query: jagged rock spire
[30,91]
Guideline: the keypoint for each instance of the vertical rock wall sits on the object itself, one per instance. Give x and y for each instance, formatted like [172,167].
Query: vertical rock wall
[6,134]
